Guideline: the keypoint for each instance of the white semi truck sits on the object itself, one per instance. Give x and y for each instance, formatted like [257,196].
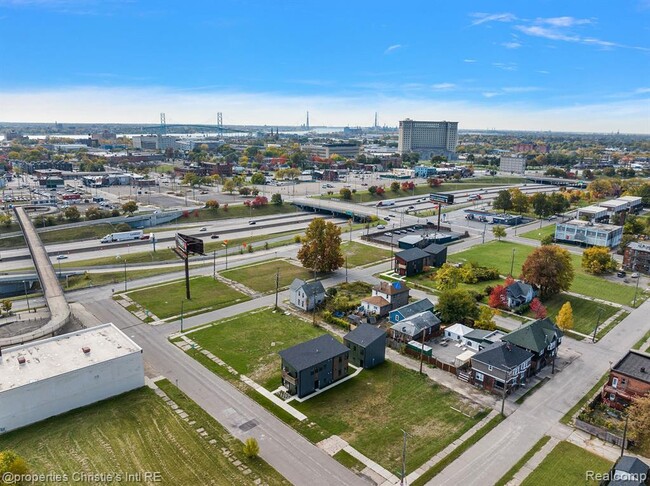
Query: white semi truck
[124,236]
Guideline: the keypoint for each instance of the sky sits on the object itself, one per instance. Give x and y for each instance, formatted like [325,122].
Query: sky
[581,65]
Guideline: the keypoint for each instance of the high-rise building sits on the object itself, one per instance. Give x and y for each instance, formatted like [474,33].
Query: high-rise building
[428,138]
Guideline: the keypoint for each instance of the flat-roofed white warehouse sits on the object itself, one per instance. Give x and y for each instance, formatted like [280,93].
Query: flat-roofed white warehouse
[52,376]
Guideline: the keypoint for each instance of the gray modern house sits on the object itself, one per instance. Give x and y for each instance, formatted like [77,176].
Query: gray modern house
[312,365]
[367,346]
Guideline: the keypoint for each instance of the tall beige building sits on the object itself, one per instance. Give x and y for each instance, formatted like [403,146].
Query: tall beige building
[428,138]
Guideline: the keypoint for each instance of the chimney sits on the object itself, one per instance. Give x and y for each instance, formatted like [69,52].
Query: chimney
[86,349]
[643,369]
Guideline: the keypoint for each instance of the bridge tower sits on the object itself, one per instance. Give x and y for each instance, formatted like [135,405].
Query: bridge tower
[163,124]
[307,124]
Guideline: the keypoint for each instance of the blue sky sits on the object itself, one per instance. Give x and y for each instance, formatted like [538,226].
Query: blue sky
[551,65]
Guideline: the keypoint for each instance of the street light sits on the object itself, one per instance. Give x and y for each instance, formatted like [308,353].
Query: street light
[118,257]
[26,296]
[182,304]
[512,262]
[600,311]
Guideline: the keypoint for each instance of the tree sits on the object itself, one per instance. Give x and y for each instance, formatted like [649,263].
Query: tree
[380,191]
[547,240]
[498,297]
[633,225]
[457,305]
[597,260]
[72,214]
[212,204]
[7,305]
[541,205]
[130,207]
[321,246]
[486,319]
[639,414]
[564,318]
[346,193]
[228,186]
[549,267]
[191,179]
[251,448]
[447,277]
[372,190]
[5,219]
[558,203]
[244,191]
[434,182]
[538,308]
[519,201]
[394,186]
[276,199]
[503,201]
[408,186]
[258,178]
[10,462]
[499,232]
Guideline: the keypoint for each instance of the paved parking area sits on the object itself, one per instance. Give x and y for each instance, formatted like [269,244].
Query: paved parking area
[446,353]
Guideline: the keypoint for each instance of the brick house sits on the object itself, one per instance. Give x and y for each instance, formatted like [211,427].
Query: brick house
[628,379]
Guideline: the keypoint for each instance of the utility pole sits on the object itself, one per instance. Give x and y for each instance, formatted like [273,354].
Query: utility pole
[346,269]
[636,289]
[403,475]
[512,262]
[29,311]
[313,321]
[600,311]
[277,286]
[214,264]
[125,275]
[422,351]
[624,436]
[503,395]
[182,302]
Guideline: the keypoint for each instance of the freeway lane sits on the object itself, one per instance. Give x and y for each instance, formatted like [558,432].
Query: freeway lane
[287,451]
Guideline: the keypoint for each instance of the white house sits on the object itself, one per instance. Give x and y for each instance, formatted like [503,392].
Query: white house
[457,332]
[375,305]
[49,377]
[305,295]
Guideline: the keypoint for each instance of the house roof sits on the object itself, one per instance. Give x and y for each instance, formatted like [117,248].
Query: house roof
[633,363]
[413,308]
[376,300]
[412,254]
[310,353]
[410,239]
[631,465]
[534,336]
[434,249]
[459,329]
[310,288]
[416,323]
[478,334]
[518,289]
[391,288]
[364,335]
[503,355]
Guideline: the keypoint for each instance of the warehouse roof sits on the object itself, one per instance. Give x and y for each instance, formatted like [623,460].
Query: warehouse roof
[47,358]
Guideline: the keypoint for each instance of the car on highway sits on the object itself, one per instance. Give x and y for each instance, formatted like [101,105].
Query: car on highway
[203,229]
[204,192]
[62,257]
[252,222]
[214,237]
[552,217]
[474,197]
[392,215]
[388,234]
[411,207]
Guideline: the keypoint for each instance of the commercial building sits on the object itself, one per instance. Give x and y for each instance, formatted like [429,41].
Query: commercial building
[637,257]
[624,204]
[629,379]
[593,213]
[513,165]
[154,142]
[367,346]
[428,138]
[588,233]
[327,150]
[49,377]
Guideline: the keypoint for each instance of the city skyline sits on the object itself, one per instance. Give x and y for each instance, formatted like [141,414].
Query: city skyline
[546,66]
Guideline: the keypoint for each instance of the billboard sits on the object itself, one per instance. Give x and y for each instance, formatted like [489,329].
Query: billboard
[442,198]
[188,245]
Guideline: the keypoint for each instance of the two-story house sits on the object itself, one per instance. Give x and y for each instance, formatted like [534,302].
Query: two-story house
[367,346]
[418,327]
[541,337]
[306,295]
[312,365]
[395,293]
[500,367]
[628,379]
[519,293]
[409,310]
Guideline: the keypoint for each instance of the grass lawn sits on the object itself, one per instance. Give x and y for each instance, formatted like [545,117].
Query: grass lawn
[134,432]
[261,277]
[538,234]
[90,279]
[566,465]
[235,211]
[499,254]
[359,254]
[92,232]
[165,300]
[250,342]
[349,461]
[585,312]
[370,411]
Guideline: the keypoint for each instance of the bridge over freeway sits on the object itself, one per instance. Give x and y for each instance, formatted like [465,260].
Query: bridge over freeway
[52,291]
[348,210]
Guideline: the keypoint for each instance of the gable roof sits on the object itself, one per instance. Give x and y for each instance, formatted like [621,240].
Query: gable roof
[413,308]
[434,249]
[534,336]
[632,363]
[503,355]
[376,300]
[412,254]
[391,288]
[459,329]
[631,465]
[416,323]
[310,353]
[518,289]
[364,335]
[310,288]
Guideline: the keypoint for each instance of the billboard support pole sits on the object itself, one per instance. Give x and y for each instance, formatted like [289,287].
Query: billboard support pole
[187,277]
[439,212]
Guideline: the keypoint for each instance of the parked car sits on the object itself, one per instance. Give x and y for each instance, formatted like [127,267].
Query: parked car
[388,234]
[634,275]
[621,274]
[411,207]
[380,226]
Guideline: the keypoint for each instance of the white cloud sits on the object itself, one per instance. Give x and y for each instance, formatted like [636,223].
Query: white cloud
[392,48]
[511,45]
[469,60]
[482,18]
[641,90]
[520,89]
[563,21]
[505,66]
[443,86]
[143,105]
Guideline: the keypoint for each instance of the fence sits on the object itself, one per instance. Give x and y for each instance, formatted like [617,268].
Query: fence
[601,433]
[432,360]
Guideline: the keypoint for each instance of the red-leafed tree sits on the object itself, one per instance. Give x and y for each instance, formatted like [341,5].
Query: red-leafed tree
[380,191]
[538,308]
[498,298]
[408,186]
[434,182]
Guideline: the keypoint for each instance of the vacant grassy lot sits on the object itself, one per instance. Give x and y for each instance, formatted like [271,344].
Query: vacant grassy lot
[90,279]
[235,211]
[207,294]
[131,433]
[538,234]
[585,312]
[95,231]
[261,277]
[566,465]
[359,254]
[370,411]
[250,342]
[499,254]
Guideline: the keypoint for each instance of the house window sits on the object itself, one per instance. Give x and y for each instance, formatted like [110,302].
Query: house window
[478,376]
[489,367]
[614,382]
[612,397]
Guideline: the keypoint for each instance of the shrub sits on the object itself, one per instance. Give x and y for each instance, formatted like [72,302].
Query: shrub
[251,448]
[297,239]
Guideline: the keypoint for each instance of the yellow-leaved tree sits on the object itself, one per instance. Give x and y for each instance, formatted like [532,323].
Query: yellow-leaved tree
[564,318]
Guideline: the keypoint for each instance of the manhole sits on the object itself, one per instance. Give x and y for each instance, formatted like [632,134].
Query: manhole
[246,426]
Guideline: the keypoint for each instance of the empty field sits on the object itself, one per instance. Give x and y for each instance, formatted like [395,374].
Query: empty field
[359,254]
[261,277]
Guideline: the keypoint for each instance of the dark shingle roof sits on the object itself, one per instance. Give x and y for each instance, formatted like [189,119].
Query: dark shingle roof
[412,254]
[310,288]
[534,336]
[631,465]
[416,324]
[416,307]
[310,353]
[502,355]
[518,289]
[632,364]
[434,249]
[478,334]
[364,335]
